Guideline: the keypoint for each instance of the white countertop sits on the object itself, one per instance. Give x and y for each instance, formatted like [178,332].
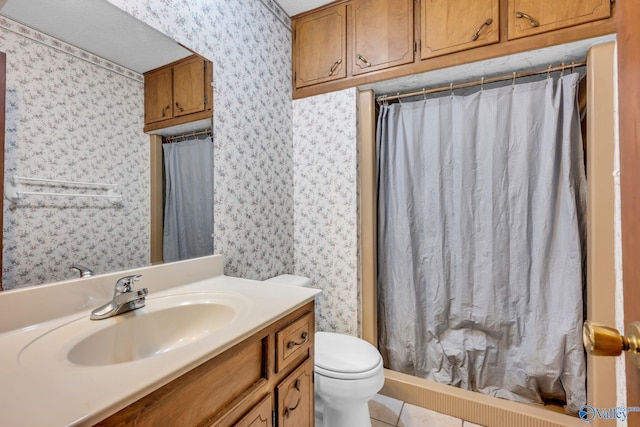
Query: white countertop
[48,390]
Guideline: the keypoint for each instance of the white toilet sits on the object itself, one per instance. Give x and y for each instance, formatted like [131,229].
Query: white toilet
[348,372]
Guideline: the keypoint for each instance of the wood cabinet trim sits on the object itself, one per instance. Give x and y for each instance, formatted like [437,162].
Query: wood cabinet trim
[207,114]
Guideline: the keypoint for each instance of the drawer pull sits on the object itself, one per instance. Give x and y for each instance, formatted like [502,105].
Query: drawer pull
[532,21]
[334,67]
[164,110]
[297,387]
[486,23]
[292,344]
[179,107]
[362,58]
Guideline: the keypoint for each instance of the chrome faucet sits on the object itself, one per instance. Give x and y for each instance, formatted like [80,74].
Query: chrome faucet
[84,271]
[125,298]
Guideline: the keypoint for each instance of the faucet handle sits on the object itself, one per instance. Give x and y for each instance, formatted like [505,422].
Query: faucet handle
[125,284]
[84,271]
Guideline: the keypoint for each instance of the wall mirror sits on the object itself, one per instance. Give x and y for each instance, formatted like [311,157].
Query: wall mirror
[74,112]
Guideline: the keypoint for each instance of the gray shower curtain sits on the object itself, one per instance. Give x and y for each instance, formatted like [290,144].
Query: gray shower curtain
[480,241]
[188,208]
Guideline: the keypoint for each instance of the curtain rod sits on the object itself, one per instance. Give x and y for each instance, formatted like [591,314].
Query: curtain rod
[174,138]
[512,76]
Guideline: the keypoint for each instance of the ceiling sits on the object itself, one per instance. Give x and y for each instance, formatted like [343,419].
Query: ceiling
[101,28]
[294,7]
[98,27]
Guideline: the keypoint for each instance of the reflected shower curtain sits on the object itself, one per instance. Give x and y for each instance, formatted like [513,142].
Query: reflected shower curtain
[188,211]
[480,235]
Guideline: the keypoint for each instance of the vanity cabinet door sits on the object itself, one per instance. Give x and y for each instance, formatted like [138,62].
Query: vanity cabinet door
[382,34]
[320,46]
[294,396]
[158,98]
[527,17]
[454,25]
[189,95]
[259,416]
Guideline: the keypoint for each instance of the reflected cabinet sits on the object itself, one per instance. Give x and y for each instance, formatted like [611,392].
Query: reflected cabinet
[178,93]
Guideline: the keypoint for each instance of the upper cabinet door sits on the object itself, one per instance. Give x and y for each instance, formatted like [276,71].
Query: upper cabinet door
[320,46]
[527,17]
[382,34]
[189,94]
[454,25]
[157,96]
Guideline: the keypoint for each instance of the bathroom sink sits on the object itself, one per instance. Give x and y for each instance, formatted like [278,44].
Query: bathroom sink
[163,325]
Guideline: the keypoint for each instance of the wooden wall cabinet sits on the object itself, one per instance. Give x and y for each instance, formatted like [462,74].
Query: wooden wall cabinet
[528,17]
[320,47]
[178,93]
[382,34]
[452,26]
[243,386]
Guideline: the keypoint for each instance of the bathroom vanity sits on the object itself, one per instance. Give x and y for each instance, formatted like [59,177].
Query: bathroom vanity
[206,350]
[267,376]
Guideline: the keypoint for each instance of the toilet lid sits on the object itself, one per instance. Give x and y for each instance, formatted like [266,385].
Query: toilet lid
[344,353]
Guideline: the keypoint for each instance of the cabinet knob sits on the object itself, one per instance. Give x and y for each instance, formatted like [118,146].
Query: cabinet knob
[486,23]
[532,21]
[600,340]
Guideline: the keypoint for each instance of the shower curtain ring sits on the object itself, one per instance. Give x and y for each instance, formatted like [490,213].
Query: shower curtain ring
[513,82]
[399,97]
[451,88]
[481,84]
[549,71]
[573,67]
[424,93]
[562,72]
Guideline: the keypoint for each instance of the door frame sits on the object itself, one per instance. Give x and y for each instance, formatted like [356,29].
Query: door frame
[628,46]
[601,263]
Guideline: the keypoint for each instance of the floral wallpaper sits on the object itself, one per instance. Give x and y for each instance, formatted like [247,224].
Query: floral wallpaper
[71,116]
[257,186]
[249,42]
[268,163]
[325,196]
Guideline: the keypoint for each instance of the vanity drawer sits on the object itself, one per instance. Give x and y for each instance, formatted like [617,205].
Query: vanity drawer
[293,342]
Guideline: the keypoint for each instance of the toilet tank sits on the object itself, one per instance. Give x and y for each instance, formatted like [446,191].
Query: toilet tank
[291,280]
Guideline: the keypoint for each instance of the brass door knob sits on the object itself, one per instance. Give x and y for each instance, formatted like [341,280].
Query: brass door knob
[600,340]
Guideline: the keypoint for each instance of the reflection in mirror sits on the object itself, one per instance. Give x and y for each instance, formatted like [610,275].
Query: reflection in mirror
[74,112]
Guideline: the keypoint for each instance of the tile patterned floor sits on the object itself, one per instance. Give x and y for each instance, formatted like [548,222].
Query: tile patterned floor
[388,412]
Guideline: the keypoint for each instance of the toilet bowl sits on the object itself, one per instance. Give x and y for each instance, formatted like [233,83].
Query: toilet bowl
[348,372]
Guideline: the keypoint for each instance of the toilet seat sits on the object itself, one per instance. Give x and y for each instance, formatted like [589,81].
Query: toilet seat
[349,375]
[345,357]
